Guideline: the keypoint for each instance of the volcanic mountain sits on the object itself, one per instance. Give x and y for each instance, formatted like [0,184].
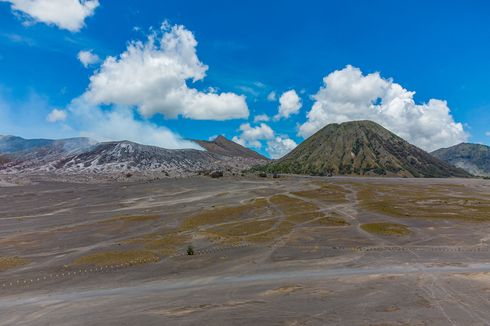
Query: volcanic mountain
[221,145]
[474,158]
[84,156]
[361,148]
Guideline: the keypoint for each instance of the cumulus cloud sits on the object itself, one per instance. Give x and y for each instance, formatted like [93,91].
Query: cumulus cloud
[277,146]
[348,95]
[261,117]
[120,123]
[88,58]
[56,115]
[154,75]
[289,103]
[280,146]
[66,14]
[271,97]
[251,136]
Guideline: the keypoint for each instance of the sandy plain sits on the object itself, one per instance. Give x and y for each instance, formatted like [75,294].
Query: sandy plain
[288,251]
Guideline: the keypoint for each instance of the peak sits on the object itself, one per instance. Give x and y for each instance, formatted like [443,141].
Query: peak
[367,123]
[221,138]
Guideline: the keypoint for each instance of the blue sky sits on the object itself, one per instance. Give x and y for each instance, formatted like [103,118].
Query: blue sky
[366,50]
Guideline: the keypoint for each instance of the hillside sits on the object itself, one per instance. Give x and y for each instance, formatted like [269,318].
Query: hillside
[474,158]
[82,156]
[223,146]
[361,148]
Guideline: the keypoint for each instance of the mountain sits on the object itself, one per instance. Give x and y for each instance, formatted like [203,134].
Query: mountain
[221,145]
[15,145]
[361,148]
[84,157]
[12,144]
[474,158]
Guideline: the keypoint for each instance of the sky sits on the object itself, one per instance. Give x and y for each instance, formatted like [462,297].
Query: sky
[266,74]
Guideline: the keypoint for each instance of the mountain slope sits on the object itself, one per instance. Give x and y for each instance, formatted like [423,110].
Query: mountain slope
[361,148]
[81,156]
[12,144]
[221,145]
[474,158]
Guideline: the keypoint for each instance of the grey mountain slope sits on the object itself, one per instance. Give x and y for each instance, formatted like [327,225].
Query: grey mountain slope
[223,146]
[361,148]
[82,156]
[474,158]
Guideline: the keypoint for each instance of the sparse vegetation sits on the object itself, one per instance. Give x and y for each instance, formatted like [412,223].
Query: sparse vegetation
[7,262]
[386,228]
[296,210]
[190,251]
[133,218]
[281,229]
[116,258]
[435,201]
[325,192]
[224,214]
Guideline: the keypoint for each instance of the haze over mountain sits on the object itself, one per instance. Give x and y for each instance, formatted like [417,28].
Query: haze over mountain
[361,148]
[474,158]
[85,156]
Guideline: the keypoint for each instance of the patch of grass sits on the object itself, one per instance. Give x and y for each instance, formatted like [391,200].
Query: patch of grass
[327,192]
[331,219]
[281,229]
[435,201]
[133,218]
[242,229]
[8,262]
[224,214]
[164,244]
[386,228]
[296,210]
[116,258]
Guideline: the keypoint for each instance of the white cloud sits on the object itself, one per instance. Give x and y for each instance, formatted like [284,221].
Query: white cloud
[153,76]
[289,103]
[487,133]
[251,136]
[280,146]
[56,115]
[271,97]
[348,95]
[120,123]
[66,14]
[88,58]
[261,117]
[277,146]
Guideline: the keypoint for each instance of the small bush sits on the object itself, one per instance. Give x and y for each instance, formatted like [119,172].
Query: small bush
[190,251]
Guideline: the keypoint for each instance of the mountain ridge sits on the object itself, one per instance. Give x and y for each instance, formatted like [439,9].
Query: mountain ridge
[83,156]
[361,148]
[474,158]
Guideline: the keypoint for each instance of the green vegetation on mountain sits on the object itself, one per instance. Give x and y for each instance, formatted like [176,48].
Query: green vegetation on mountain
[361,148]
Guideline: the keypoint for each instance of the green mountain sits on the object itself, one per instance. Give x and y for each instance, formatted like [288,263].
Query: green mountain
[474,158]
[361,148]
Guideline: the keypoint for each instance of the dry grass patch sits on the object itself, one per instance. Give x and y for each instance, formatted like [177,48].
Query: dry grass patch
[225,214]
[281,229]
[132,218]
[435,201]
[242,229]
[164,244]
[386,228]
[116,258]
[331,219]
[327,192]
[12,262]
[296,210]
